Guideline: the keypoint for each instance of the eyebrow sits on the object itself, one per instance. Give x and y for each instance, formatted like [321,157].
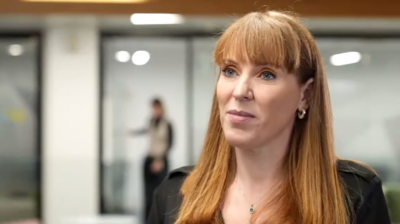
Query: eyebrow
[230,61]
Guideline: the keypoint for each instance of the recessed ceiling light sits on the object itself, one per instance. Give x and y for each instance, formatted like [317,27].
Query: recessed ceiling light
[155,19]
[140,57]
[345,58]
[122,56]
[15,50]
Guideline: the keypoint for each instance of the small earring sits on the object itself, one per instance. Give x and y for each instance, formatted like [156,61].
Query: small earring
[301,114]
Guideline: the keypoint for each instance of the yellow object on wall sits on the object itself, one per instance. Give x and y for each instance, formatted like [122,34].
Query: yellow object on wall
[13,115]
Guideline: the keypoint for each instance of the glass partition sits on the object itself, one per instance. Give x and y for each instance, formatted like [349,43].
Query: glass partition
[205,75]
[366,106]
[19,129]
[137,70]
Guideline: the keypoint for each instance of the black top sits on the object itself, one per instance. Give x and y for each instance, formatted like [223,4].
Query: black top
[364,187]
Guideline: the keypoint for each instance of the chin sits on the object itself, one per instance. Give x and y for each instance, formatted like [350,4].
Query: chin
[237,138]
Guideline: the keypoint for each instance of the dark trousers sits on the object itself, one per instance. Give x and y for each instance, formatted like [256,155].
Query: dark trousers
[152,181]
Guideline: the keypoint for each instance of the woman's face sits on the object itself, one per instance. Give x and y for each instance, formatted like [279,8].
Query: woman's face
[257,102]
[157,111]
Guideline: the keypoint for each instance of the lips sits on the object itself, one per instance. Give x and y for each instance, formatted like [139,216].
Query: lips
[241,113]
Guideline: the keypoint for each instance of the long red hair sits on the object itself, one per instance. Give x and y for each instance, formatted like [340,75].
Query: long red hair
[313,192]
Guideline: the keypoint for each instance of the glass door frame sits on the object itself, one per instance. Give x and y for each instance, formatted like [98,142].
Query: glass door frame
[5,34]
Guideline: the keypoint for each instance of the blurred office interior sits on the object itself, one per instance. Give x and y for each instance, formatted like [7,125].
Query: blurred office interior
[76,76]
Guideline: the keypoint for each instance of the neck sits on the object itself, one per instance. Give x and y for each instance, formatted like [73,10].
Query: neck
[262,167]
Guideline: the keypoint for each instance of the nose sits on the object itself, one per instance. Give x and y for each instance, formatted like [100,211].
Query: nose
[243,90]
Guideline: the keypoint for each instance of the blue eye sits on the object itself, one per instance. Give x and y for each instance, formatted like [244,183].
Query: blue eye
[268,76]
[229,72]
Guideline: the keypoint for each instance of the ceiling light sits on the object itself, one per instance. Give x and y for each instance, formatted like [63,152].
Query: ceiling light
[345,58]
[90,1]
[140,57]
[15,50]
[154,19]
[122,56]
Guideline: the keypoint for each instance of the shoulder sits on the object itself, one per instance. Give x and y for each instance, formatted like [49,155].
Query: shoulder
[366,194]
[179,174]
[167,197]
[360,181]
[354,173]
[167,122]
[173,182]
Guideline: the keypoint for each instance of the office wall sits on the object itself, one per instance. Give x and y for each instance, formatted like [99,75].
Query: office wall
[70,120]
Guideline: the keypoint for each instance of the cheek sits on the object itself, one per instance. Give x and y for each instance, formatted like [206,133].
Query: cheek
[279,104]
[223,92]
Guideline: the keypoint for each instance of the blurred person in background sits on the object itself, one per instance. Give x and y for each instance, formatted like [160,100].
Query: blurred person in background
[269,154]
[156,162]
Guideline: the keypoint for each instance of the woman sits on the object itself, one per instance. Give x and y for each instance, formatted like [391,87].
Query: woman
[156,163]
[269,153]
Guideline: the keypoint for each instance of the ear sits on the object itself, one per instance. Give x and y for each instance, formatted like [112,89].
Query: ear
[305,95]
